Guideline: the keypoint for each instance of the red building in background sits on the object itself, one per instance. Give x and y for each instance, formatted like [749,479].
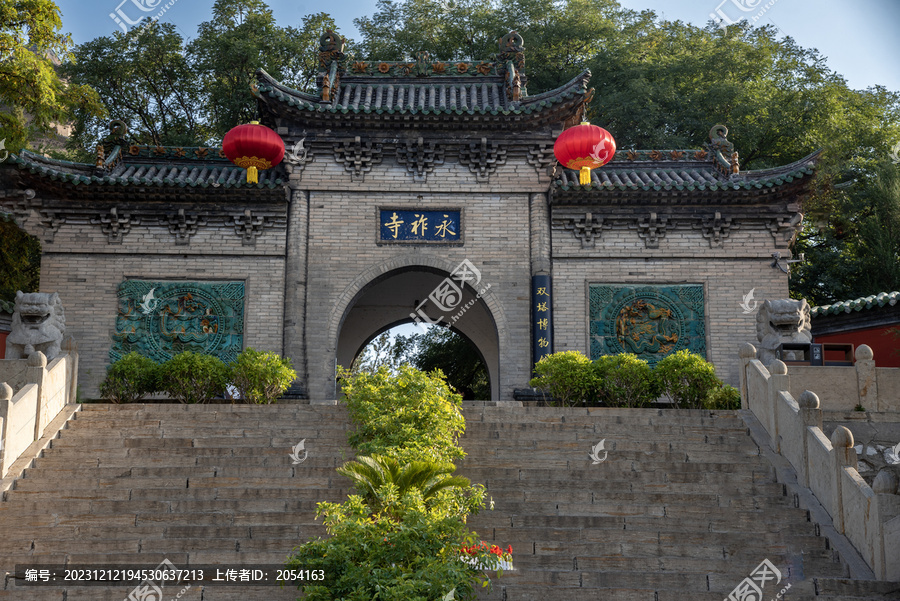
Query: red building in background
[872,320]
[6,309]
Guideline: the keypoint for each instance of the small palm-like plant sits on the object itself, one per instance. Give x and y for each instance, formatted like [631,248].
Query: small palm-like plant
[372,474]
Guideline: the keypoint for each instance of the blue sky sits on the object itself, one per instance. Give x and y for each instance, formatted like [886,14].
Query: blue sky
[860,38]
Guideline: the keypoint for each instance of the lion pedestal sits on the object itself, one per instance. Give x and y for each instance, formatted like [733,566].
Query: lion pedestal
[38,324]
[779,322]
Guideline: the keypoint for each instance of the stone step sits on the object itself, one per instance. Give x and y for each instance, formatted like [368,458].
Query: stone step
[683,507]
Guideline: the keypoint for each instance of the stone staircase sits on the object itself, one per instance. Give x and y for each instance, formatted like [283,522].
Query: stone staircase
[194,484]
[683,507]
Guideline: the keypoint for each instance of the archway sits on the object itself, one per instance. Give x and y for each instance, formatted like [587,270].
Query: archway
[438,347]
[390,299]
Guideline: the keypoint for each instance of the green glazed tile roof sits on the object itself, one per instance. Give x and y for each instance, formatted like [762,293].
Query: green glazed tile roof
[680,170]
[445,95]
[867,302]
[150,166]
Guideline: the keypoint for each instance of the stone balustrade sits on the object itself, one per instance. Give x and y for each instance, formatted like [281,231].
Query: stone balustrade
[868,516]
[34,395]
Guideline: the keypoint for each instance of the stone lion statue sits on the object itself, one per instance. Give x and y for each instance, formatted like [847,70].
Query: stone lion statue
[779,322]
[38,324]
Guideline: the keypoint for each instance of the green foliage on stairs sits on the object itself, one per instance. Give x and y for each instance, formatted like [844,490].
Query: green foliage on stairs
[410,415]
[566,376]
[625,380]
[193,377]
[130,379]
[261,377]
[400,537]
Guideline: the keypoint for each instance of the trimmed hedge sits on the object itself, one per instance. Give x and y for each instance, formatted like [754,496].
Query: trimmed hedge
[625,380]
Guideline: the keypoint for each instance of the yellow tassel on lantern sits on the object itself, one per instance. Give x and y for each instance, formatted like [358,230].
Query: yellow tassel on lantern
[584,176]
[252,175]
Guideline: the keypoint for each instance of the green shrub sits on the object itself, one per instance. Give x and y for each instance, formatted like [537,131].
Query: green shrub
[687,378]
[259,377]
[566,376]
[372,474]
[366,557]
[624,380]
[402,536]
[130,379]
[194,378]
[724,397]
[411,416]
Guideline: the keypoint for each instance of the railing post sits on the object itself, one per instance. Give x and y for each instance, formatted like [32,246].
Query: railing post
[844,455]
[778,381]
[35,373]
[6,395]
[811,416]
[887,502]
[865,377]
[748,354]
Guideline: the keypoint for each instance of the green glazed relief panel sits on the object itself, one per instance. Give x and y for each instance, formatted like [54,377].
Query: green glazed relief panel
[162,319]
[649,321]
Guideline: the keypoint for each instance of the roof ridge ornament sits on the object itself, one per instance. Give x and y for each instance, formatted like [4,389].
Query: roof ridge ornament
[331,48]
[512,58]
[726,158]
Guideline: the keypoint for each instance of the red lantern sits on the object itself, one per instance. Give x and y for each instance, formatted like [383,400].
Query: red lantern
[584,147]
[253,147]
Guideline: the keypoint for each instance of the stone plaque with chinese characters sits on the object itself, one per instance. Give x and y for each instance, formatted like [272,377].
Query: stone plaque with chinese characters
[402,225]
[650,321]
[162,319]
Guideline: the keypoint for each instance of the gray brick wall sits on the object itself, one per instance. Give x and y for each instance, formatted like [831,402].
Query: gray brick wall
[87,284]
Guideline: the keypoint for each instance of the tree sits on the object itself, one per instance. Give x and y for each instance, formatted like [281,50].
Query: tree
[33,96]
[20,259]
[242,37]
[145,80]
[856,252]
[664,84]
[442,348]
[383,351]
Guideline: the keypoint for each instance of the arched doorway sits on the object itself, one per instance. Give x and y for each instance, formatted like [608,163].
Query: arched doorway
[443,348]
[394,297]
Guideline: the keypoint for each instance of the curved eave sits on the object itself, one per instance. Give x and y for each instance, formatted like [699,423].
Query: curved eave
[278,94]
[867,302]
[166,176]
[616,177]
